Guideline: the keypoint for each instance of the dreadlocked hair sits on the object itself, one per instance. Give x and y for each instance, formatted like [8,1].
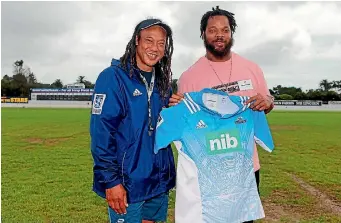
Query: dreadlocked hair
[217,11]
[163,70]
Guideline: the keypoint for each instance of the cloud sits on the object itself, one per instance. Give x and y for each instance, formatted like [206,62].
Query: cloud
[295,43]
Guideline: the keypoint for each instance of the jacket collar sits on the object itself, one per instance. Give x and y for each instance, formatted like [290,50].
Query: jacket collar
[117,63]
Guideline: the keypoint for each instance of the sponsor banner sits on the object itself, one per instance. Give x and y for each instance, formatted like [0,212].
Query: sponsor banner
[51,90]
[334,102]
[14,100]
[297,103]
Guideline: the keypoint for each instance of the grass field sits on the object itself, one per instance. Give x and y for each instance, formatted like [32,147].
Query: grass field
[47,167]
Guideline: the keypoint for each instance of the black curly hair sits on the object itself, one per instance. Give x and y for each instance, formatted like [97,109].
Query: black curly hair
[217,11]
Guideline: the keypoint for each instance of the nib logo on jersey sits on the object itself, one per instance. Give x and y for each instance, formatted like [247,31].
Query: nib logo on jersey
[223,142]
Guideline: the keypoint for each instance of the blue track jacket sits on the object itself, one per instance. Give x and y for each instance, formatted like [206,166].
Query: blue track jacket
[121,147]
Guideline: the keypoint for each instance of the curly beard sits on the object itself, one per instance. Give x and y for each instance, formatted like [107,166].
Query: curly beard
[219,53]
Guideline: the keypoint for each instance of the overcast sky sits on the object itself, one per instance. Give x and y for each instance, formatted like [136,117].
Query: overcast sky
[295,43]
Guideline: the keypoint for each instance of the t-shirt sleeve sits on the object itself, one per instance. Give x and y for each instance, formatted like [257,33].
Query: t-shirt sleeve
[169,127]
[181,86]
[184,85]
[262,134]
[262,85]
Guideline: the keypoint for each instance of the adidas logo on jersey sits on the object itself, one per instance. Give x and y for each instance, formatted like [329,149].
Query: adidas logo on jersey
[201,125]
[137,93]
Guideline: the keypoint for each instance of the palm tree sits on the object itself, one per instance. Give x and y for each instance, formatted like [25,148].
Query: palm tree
[81,79]
[337,85]
[325,85]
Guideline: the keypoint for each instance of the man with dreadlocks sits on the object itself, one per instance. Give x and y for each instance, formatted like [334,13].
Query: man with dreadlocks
[225,70]
[125,111]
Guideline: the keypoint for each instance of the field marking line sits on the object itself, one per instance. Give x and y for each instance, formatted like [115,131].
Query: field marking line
[327,203]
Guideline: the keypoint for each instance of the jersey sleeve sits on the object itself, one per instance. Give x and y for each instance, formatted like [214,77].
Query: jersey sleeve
[169,127]
[262,131]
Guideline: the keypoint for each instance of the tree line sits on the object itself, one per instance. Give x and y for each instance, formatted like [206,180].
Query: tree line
[24,79]
[327,91]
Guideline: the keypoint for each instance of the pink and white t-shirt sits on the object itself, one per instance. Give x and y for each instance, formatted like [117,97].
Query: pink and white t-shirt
[246,79]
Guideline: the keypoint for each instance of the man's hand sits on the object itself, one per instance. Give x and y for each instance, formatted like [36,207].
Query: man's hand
[117,199]
[175,99]
[260,103]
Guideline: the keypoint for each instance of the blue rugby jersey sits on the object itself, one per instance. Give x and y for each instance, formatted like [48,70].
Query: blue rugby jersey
[214,133]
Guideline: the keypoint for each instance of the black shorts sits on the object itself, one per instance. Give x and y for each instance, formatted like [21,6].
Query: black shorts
[257,180]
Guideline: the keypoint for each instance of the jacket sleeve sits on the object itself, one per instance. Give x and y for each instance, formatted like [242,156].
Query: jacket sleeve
[106,113]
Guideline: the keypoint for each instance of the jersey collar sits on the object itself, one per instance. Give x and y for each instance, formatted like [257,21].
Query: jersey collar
[208,95]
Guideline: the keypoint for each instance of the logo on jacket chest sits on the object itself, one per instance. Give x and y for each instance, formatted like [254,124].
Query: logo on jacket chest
[137,93]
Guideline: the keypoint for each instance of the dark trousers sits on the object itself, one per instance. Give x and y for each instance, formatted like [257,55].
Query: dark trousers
[257,181]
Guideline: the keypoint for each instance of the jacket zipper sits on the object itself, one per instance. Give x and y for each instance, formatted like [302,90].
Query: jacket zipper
[124,155]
